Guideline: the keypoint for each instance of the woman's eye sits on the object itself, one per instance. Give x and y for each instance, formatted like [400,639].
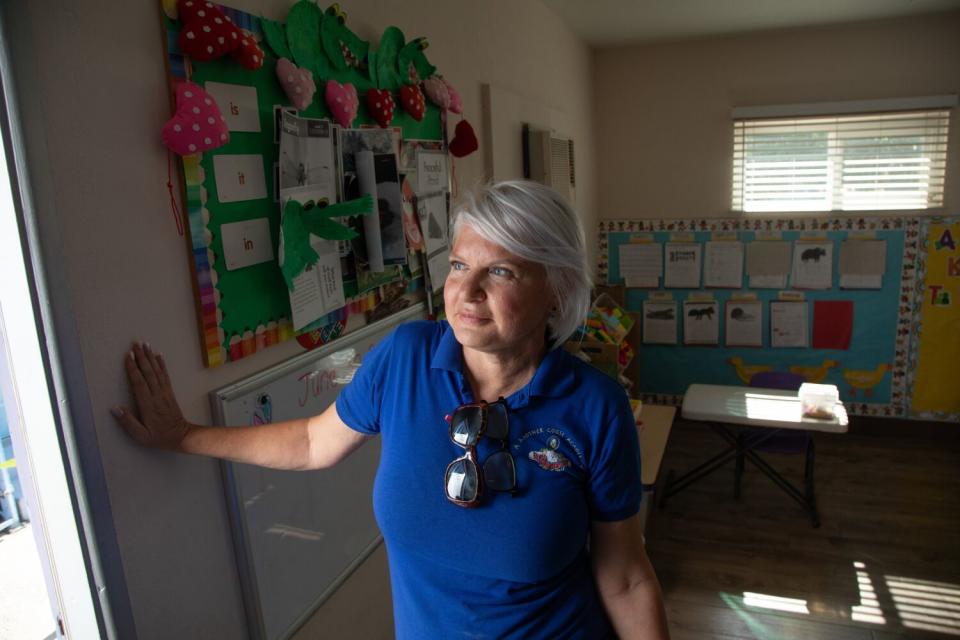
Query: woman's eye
[457,266]
[503,272]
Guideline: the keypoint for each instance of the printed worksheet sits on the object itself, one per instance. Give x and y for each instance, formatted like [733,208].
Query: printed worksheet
[768,281]
[744,323]
[660,322]
[812,265]
[308,156]
[318,289]
[431,170]
[701,322]
[641,264]
[861,281]
[723,265]
[862,264]
[432,212]
[682,265]
[788,324]
[768,263]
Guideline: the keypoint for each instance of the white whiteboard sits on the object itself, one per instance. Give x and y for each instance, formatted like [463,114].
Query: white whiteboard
[299,534]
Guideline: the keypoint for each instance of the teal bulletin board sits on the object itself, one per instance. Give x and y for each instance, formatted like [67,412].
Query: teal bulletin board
[245,310]
[870,373]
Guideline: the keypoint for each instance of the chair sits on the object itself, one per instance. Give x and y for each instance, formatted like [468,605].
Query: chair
[784,441]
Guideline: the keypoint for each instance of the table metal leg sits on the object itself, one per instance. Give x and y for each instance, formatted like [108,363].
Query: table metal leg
[742,448]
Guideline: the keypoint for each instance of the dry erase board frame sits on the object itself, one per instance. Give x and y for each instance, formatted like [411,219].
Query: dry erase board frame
[899,299]
[279,599]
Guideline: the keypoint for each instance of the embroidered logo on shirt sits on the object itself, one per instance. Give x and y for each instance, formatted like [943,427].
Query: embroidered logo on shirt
[549,458]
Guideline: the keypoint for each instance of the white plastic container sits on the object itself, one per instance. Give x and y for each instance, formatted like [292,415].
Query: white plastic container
[818,400]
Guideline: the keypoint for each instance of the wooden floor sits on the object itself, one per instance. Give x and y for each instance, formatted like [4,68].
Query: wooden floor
[884,564]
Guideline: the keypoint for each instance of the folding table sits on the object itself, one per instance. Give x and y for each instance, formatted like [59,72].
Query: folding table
[775,409]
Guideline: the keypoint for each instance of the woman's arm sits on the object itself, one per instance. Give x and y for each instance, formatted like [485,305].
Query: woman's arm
[625,579]
[309,443]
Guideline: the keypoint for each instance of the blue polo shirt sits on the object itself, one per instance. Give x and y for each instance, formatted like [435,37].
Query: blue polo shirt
[516,566]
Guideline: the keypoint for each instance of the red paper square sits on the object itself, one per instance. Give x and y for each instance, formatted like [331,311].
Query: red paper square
[832,324]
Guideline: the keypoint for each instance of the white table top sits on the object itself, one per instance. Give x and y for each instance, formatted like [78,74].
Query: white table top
[755,407]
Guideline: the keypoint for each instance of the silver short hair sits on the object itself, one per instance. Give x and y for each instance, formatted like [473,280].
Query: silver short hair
[536,223]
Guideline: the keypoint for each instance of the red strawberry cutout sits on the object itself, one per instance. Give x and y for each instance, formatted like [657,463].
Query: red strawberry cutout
[380,105]
[208,34]
[248,53]
[411,99]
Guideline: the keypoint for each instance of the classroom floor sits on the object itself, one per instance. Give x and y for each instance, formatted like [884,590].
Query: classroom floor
[884,564]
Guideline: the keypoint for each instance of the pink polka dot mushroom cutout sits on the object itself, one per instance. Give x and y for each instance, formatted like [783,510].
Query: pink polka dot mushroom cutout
[297,83]
[342,101]
[456,104]
[436,90]
[198,125]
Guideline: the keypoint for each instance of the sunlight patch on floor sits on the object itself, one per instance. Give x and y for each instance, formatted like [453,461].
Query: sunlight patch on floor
[764,601]
[869,608]
[926,604]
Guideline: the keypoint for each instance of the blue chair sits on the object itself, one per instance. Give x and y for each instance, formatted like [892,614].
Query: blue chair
[784,441]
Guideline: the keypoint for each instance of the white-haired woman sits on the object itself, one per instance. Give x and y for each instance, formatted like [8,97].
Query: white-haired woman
[509,483]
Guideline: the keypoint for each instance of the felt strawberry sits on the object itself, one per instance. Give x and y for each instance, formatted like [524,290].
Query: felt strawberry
[297,83]
[248,53]
[464,140]
[456,104]
[380,105]
[411,99]
[197,125]
[436,90]
[208,34]
[342,101]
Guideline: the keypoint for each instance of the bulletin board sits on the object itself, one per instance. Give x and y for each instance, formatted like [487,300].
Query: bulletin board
[242,311]
[900,341]
[931,375]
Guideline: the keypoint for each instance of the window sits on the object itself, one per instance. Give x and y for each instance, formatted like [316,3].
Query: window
[860,161]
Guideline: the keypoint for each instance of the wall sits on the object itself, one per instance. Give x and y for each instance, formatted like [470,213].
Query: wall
[662,111]
[91,86]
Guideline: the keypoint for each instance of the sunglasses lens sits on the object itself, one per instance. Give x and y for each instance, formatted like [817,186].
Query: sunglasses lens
[461,480]
[497,427]
[499,472]
[465,427]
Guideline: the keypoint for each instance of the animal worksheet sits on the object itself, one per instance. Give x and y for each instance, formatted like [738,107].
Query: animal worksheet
[812,265]
[744,323]
[701,322]
[659,322]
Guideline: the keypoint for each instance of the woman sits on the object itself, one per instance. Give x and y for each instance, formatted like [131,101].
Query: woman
[502,455]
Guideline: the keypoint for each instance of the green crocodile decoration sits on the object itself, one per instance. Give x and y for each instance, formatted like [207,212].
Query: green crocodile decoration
[300,220]
[348,53]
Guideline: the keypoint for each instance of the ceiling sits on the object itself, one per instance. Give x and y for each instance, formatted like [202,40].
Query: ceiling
[612,22]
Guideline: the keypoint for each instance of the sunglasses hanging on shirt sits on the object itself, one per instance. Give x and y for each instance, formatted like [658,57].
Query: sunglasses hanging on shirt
[465,479]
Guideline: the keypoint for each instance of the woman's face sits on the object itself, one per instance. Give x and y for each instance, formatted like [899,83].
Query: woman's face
[495,301]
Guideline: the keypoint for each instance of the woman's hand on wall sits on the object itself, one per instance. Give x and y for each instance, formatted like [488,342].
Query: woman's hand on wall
[161,423]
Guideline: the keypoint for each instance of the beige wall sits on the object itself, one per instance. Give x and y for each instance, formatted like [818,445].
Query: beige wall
[91,84]
[662,116]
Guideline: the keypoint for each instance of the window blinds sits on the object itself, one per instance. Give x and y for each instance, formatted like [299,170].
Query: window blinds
[876,161]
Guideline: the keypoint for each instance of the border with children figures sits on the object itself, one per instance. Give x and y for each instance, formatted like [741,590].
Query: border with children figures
[908,306]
